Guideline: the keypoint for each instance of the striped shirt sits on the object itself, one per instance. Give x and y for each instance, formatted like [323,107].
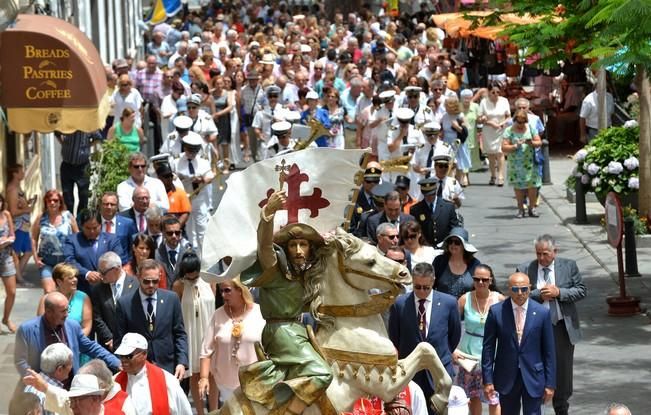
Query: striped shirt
[149,84]
[75,147]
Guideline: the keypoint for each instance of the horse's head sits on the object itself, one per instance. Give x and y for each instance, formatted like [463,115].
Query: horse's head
[365,268]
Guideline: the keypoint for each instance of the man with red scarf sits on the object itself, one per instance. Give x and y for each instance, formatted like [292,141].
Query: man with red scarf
[157,391]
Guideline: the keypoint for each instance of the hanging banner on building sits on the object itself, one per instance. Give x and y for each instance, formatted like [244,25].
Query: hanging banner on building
[51,74]
[162,9]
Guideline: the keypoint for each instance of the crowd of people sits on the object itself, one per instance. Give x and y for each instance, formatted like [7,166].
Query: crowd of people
[233,84]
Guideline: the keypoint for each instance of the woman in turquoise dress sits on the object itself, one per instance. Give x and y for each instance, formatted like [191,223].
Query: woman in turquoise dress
[80,308]
[126,131]
[519,142]
[473,308]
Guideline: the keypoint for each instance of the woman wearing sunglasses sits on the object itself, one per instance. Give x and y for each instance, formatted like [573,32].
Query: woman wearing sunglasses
[143,247]
[455,267]
[473,307]
[197,305]
[520,141]
[228,342]
[413,241]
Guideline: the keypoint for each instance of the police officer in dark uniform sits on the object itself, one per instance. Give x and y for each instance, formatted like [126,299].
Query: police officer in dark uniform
[378,193]
[435,215]
[365,201]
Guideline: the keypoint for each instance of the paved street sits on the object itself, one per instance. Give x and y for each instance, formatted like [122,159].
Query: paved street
[613,361]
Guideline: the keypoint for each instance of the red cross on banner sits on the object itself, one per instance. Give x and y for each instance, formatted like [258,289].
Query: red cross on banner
[295,201]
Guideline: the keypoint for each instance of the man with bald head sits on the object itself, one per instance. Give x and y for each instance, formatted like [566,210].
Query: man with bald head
[617,409]
[34,335]
[518,356]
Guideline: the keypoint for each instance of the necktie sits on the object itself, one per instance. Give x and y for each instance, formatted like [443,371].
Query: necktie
[172,255]
[429,161]
[439,191]
[519,322]
[553,304]
[150,313]
[191,169]
[114,292]
[422,319]
[108,226]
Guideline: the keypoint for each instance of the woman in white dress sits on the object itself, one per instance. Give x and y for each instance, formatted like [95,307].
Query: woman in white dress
[235,150]
[197,305]
[494,113]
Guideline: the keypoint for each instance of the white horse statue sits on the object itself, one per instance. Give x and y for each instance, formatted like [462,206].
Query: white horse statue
[352,336]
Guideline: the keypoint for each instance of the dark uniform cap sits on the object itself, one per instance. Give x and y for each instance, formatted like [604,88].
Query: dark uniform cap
[298,231]
[372,174]
[272,90]
[429,185]
[382,190]
[403,182]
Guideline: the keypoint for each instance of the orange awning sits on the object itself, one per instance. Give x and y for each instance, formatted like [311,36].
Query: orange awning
[52,77]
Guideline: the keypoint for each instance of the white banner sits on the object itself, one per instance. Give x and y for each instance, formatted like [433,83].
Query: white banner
[318,183]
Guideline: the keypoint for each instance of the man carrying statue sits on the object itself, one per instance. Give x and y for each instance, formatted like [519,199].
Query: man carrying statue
[287,273]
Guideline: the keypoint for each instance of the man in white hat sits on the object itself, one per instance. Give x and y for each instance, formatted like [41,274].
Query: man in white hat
[269,114]
[449,187]
[195,174]
[152,389]
[202,122]
[84,397]
[281,141]
[422,162]
[380,121]
[172,143]
[402,140]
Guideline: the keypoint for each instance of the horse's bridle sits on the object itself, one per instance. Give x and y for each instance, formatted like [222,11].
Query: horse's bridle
[375,305]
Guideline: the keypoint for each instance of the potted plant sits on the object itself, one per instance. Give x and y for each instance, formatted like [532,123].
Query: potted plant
[108,167]
[610,163]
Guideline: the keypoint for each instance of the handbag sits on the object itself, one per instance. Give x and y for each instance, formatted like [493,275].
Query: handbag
[467,361]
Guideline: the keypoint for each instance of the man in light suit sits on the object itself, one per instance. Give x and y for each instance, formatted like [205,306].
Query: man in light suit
[34,335]
[115,285]
[518,358]
[558,286]
[392,213]
[83,249]
[120,226]
[435,215]
[155,314]
[425,315]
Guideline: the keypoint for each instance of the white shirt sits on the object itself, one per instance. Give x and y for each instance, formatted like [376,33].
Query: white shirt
[145,303]
[113,225]
[133,100]
[590,112]
[138,385]
[541,283]
[156,189]
[201,169]
[428,308]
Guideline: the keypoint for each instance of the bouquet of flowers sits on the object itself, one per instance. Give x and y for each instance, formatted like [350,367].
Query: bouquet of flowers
[610,162]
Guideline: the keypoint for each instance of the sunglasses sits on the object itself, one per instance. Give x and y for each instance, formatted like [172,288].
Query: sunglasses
[139,166]
[103,273]
[151,281]
[482,280]
[400,261]
[273,96]
[432,134]
[411,236]
[522,290]
[173,233]
[192,107]
[128,356]
[422,287]
[442,165]
[437,89]
[412,96]
[454,242]
[124,84]
[226,290]
[391,236]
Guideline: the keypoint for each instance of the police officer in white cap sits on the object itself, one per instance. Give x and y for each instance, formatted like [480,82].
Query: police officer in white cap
[422,162]
[449,187]
[202,122]
[380,121]
[195,174]
[403,138]
[271,113]
[281,141]
[172,143]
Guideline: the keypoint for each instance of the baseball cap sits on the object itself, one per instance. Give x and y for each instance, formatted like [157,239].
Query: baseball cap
[130,343]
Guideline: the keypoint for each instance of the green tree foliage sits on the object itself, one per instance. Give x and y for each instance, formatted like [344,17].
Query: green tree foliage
[108,167]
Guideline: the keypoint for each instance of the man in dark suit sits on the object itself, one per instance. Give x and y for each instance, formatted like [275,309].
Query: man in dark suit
[120,226]
[83,249]
[34,335]
[141,201]
[392,213]
[435,215]
[155,314]
[518,358]
[115,285]
[558,286]
[364,196]
[170,251]
[425,315]
[378,193]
